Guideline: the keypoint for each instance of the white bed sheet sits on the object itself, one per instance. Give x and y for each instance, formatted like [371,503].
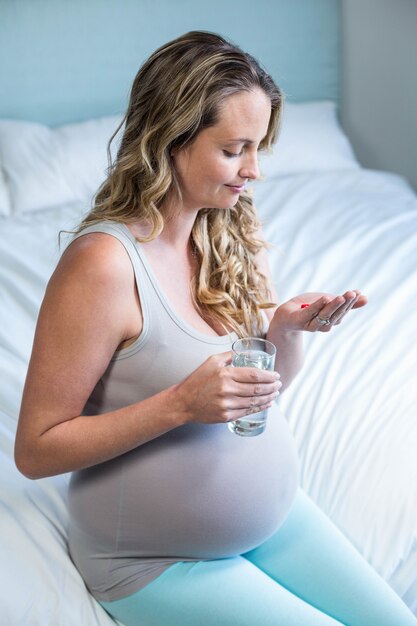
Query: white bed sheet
[39,585]
[352,408]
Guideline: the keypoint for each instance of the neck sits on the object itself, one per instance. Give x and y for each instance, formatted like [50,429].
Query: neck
[178,224]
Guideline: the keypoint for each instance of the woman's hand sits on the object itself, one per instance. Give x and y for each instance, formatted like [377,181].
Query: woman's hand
[322,313]
[216,393]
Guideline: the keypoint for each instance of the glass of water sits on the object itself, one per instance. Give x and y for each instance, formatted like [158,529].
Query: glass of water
[252,352]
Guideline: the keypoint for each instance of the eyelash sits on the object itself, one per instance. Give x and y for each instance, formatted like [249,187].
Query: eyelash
[232,154]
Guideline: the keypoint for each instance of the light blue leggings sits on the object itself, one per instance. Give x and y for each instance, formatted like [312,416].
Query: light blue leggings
[307,574]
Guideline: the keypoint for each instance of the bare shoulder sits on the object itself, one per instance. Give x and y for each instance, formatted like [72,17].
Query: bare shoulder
[98,256]
[94,284]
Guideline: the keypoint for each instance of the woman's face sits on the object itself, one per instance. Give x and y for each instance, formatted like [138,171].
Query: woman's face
[213,170]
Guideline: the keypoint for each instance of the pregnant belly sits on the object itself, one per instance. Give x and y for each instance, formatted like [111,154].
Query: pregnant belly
[197,492]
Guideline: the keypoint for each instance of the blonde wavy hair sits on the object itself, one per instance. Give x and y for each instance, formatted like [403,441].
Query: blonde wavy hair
[177,93]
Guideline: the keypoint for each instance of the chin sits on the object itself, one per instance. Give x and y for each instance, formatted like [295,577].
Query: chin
[222,207]
[225,204]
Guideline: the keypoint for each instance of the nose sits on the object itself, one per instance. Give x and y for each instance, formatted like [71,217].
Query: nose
[250,167]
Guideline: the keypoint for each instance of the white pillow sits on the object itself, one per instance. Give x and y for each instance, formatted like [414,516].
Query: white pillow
[311,138]
[48,167]
[84,147]
[32,166]
[5,208]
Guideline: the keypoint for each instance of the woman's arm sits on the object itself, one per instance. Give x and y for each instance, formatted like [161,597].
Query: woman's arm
[90,308]
[84,317]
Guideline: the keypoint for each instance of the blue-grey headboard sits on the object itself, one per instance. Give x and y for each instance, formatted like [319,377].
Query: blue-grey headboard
[69,60]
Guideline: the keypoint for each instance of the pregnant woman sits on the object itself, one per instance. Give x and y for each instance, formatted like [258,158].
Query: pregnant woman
[174,519]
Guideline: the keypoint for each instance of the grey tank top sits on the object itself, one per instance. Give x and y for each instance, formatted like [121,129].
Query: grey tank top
[197,492]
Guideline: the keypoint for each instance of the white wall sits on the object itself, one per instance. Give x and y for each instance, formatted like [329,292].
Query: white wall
[379,89]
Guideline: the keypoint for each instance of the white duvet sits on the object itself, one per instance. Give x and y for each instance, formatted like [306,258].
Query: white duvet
[352,408]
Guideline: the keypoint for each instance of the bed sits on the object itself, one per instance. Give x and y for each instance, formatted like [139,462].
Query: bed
[332,224]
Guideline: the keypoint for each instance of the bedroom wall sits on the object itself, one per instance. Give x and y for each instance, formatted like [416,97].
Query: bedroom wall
[63,61]
[379,85]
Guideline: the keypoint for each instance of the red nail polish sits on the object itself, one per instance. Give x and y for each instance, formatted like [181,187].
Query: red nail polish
[304,306]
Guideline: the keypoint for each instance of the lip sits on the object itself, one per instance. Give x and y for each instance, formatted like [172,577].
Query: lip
[236,188]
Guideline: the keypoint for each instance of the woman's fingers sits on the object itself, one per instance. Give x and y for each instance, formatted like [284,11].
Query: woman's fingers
[317,313]
[260,389]
[253,375]
[362,300]
[253,387]
[326,313]
[350,298]
[244,398]
[235,414]
[216,393]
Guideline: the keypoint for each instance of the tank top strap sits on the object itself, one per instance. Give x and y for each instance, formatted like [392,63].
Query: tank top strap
[148,299]
[122,233]
[156,308]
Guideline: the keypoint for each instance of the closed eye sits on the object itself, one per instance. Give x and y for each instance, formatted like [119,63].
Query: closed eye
[232,154]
